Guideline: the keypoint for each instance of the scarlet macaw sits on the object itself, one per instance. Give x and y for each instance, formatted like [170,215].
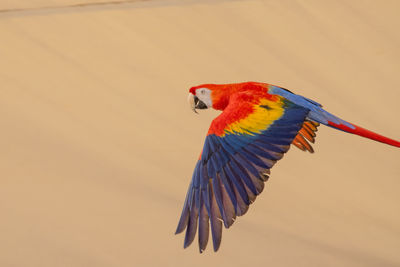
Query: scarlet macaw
[258,124]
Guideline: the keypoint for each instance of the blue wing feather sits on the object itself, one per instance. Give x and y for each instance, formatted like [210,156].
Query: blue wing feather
[248,166]
[240,172]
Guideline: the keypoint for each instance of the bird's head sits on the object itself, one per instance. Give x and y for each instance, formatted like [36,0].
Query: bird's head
[216,96]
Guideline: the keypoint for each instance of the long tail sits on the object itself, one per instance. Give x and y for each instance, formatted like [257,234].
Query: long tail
[365,133]
[318,114]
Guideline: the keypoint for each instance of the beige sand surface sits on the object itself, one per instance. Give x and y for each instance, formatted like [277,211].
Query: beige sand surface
[98,143]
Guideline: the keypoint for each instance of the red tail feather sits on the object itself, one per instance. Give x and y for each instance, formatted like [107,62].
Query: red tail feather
[365,133]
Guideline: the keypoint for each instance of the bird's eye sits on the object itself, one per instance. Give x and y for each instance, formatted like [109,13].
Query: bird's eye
[203,92]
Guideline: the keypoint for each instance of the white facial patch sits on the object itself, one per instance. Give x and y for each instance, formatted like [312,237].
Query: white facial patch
[204,95]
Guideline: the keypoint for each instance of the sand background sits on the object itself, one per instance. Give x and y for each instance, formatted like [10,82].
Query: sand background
[98,143]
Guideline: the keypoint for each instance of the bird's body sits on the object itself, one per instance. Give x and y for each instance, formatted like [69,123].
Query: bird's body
[258,124]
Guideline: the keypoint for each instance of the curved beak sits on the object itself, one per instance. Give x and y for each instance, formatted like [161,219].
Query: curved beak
[196,103]
[192,102]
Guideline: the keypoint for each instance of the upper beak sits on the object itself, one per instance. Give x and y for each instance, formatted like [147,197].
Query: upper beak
[192,102]
[196,103]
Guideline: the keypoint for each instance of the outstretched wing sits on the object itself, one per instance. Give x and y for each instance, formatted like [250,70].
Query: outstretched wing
[242,145]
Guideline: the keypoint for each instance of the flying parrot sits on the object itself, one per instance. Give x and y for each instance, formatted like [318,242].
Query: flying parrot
[257,125]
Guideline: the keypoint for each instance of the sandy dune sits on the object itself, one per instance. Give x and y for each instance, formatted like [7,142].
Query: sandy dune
[98,143]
